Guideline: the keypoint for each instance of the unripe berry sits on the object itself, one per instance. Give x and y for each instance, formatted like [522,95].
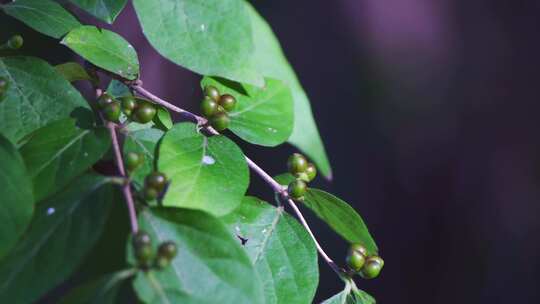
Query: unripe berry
[129,103]
[15,42]
[297,188]
[228,102]
[297,163]
[105,100]
[209,107]
[162,262]
[212,92]
[141,238]
[372,267]
[311,171]
[143,254]
[144,113]
[220,121]
[150,194]
[112,112]
[355,260]
[133,160]
[156,180]
[358,248]
[167,250]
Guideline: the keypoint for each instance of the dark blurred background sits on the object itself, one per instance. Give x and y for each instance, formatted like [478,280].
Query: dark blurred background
[429,114]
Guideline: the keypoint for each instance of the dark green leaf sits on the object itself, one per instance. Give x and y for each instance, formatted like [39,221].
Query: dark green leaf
[61,151]
[341,217]
[117,89]
[17,199]
[144,142]
[207,173]
[262,116]
[106,10]
[64,228]
[211,267]
[37,95]
[100,291]
[73,71]
[44,16]
[271,62]
[163,119]
[281,250]
[104,49]
[211,37]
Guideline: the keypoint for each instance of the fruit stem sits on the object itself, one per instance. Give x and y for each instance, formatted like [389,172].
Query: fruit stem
[278,188]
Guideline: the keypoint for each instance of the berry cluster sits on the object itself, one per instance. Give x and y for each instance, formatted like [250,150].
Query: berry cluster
[4,84]
[368,267]
[154,185]
[136,109]
[215,107]
[145,255]
[304,172]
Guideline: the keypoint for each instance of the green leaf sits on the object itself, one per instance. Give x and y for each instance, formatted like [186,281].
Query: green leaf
[104,49]
[61,151]
[37,95]
[145,142]
[117,89]
[211,37]
[343,297]
[270,61]
[341,217]
[281,250]
[106,10]
[103,290]
[163,118]
[73,71]
[207,173]
[63,229]
[45,16]
[17,199]
[351,295]
[211,267]
[262,116]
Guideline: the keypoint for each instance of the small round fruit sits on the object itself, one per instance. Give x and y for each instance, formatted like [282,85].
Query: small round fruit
[133,160]
[156,180]
[311,171]
[297,163]
[297,189]
[358,248]
[162,262]
[167,250]
[112,112]
[143,254]
[372,267]
[15,42]
[105,100]
[355,260]
[220,121]
[228,102]
[144,113]
[209,107]
[150,194]
[129,103]
[141,238]
[212,92]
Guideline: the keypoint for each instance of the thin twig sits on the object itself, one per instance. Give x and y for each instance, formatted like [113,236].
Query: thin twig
[278,188]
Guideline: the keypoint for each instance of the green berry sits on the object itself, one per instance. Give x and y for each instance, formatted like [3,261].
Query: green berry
[105,100]
[220,121]
[212,92]
[297,189]
[150,194]
[162,262]
[167,250]
[141,238]
[156,180]
[358,248]
[15,42]
[144,113]
[129,103]
[133,160]
[355,261]
[228,102]
[297,163]
[372,267]
[112,111]
[143,254]
[311,171]
[209,107]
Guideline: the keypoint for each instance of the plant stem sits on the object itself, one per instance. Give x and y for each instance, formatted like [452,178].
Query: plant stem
[278,188]
[126,188]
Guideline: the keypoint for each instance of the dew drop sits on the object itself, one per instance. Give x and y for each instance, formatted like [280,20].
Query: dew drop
[208,160]
[203,27]
[51,211]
